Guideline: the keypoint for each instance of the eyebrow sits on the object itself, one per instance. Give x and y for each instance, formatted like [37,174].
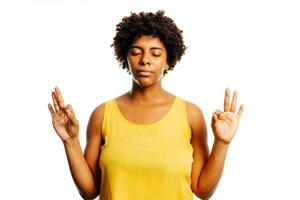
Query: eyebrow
[135,46]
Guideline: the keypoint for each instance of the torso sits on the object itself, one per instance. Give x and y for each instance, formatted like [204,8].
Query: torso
[148,114]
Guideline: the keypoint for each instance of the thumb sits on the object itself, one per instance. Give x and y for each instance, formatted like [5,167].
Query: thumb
[214,118]
[71,115]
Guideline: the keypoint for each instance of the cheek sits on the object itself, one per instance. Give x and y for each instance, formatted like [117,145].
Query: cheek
[159,63]
[132,61]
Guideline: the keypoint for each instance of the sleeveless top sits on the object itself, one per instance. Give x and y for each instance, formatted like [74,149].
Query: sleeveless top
[146,161]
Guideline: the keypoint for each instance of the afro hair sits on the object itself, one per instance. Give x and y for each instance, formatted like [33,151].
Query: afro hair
[156,24]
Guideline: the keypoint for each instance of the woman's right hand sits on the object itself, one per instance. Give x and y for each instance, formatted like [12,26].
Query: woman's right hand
[63,118]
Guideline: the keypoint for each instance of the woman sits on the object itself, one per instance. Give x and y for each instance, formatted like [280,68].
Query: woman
[146,143]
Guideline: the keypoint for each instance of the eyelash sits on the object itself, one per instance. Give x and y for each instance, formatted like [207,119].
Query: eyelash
[135,54]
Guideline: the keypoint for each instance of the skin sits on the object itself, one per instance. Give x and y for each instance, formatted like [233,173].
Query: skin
[145,103]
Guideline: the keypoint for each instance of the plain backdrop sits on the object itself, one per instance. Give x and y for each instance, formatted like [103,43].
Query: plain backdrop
[251,46]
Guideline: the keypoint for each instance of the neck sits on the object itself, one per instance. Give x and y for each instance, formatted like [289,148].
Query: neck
[153,93]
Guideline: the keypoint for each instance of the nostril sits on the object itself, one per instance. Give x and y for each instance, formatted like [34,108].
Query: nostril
[142,63]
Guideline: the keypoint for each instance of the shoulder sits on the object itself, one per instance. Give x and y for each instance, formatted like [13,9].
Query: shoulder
[195,116]
[95,120]
[194,112]
[98,111]
[193,109]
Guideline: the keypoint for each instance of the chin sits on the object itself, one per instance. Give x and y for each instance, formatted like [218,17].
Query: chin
[144,82]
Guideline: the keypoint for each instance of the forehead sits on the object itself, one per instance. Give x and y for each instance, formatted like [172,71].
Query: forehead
[148,41]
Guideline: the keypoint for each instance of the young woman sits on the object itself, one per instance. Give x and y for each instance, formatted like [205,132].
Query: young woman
[146,143]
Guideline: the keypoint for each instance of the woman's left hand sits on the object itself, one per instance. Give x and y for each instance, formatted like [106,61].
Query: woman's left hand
[225,124]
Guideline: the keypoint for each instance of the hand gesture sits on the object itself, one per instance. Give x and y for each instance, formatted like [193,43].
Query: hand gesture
[63,118]
[225,124]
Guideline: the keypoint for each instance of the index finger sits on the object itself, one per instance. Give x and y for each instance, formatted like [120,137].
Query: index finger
[60,99]
[227,100]
[233,102]
[241,109]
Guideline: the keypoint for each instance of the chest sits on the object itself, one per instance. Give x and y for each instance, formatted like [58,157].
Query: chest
[144,114]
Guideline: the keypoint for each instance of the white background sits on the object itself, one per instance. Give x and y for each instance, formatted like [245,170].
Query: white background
[252,46]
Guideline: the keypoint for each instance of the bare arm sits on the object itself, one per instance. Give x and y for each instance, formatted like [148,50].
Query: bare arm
[200,147]
[81,173]
[224,125]
[207,168]
[212,171]
[93,147]
[84,168]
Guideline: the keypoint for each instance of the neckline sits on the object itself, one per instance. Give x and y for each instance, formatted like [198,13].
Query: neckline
[148,124]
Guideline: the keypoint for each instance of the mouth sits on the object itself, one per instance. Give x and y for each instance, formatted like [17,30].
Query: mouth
[144,73]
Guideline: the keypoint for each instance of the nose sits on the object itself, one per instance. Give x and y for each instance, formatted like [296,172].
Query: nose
[144,59]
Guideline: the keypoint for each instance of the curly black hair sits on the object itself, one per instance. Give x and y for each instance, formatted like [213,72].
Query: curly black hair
[155,24]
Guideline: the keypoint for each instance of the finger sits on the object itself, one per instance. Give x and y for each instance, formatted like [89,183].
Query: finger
[51,109]
[227,100]
[233,103]
[69,110]
[240,111]
[218,112]
[214,118]
[57,109]
[60,99]
[71,115]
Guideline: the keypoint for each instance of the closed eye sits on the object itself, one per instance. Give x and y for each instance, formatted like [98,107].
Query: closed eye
[135,53]
[157,55]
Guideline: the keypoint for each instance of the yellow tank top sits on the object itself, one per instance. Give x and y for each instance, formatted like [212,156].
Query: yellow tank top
[146,161]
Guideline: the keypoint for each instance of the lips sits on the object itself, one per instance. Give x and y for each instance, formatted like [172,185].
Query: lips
[143,73]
